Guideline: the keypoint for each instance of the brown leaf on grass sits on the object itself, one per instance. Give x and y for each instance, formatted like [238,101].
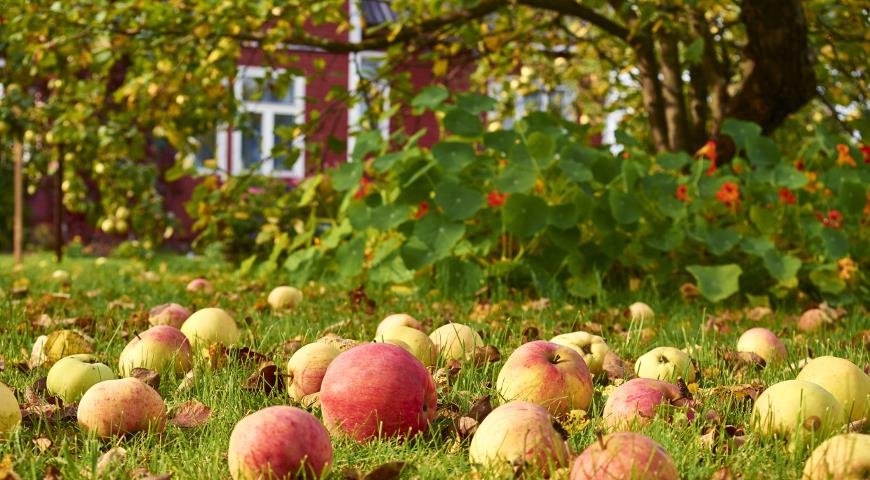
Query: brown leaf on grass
[6,470]
[267,377]
[758,313]
[466,426]
[186,383]
[723,439]
[42,443]
[51,473]
[359,300]
[484,355]
[311,401]
[480,408]
[246,355]
[689,291]
[725,474]
[615,367]
[386,471]
[190,414]
[743,393]
[142,473]
[123,303]
[539,304]
[109,461]
[743,359]
[860,340]
[150,377]
[288,348]
[530,333]
[261,305]
[2,364]
[858,426]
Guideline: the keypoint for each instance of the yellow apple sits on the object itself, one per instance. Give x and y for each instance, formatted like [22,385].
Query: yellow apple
[455,341]
[417,342]
[639,311]
[845,380]
[398,319]
[786,409]
[208,326]
[665,363]
[10,414]
[842,457]
[306,368]
[592,348]
[284,298]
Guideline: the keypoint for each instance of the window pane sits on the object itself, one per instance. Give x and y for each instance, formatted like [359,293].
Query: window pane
[207,150]
[282,152]
[251,140]
[267,90]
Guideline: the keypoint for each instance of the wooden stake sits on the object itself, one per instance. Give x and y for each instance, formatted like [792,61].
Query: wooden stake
[18,213]
[58,208]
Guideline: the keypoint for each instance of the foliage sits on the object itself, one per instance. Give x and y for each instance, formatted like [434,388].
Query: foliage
[536,208]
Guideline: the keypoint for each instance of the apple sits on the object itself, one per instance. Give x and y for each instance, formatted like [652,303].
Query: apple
[548,374]
[813,319]
[592,348]
[118,407]
[62,343]
[845,380]
[208,326]
[763,343]
[665,363]
[842,457]
[636,402]
[61,276]
[72,376]
[279,442]
[284,298]
[200,285]
[398,319]
[624,455]
[455,341]
[161,348]
[417,342]
[518,432]
[640,312]
[306,368]
[10,413]
[377,389]
[171,314]
[785,409]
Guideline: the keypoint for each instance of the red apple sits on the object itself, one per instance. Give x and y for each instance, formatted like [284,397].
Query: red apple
[279,442]
[377,389]
[763,343]
[624,455]
[637,401]
[200,285]
[171,314]
[117,407]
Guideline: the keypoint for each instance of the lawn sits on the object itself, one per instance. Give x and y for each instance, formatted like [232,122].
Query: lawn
[110,301]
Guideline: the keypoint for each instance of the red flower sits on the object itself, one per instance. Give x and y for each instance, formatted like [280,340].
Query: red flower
[799,165]
[708,151]
[729,195]
[787,196]
[365,186]
[865,150]
[834,219]
[496,199]
[422,209]
[682,193]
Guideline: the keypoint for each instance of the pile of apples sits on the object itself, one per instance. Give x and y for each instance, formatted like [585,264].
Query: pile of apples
[385,388]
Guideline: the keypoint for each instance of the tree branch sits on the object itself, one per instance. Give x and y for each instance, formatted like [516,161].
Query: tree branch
[574,9]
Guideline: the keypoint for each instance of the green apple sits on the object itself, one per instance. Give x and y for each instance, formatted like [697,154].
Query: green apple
[413,340]
[665,363]
[63,343]
[306,368]
[208,326]
[592,348]
[284,298]
[786,409]
[10,414]
[161,348]
[398,319]
[842,457]
[72,376]
[455,341]
[845,380]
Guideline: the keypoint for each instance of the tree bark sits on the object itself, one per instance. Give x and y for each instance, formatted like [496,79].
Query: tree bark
[18,209]
[651,90]
[672,93]
[58,207]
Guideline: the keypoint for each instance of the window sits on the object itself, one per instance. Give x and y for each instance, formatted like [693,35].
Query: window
[559,99]
[371,97]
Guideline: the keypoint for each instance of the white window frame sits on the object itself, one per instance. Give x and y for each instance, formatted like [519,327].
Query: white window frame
[355,113]
[267,113]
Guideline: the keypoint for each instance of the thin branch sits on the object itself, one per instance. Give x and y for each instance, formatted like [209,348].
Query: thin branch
[575,9]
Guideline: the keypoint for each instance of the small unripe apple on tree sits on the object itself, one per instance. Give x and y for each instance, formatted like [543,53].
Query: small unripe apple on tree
[377,389]
[842,457]
[418,343]
[284,298]
[118,407]
[665,363]
[398,319]
[624,455]
[171,314]
[845,380]
[279,442]
[10,413]
[796,407]
[637,401]
[763,343]
[208,326]
[200,285]
[518,432]
[592,348]
[70,377]
[307,367]
[548,374]
[161,348]
[455,341]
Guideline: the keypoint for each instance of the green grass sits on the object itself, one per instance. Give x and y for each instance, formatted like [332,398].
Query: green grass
[201,452]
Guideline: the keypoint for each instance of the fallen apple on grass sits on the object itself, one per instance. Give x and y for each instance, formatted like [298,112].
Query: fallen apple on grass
[624,455]
[665,363]
[377,389]
[279,442]
[845,380]
[10,414]
[592,348]
[548,374]
[416,342]
[637,401]
[763,343]
[208,326]
[161,348]
[841,457]
[171,314]
[284,298]
[200,285]
[119,407]
[61,276]
[307,367]
[398,319]
[70,377]
[518,433]
[794,407]
[640,312]
[455,341]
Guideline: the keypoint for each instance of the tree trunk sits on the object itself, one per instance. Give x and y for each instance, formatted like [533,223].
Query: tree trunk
[672,93]
[18,193]
[651,91]
[58,207]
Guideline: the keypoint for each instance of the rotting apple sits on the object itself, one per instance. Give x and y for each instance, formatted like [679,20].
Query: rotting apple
[171,314]
[665,363]
[845,380]
[548,374]
[636,402]
[592,348]
[624,455]
[118,407]
[307,367]
[279,442]
[841,457]
[377,389]
[208,326]
[10,413]
[794,407]
[455,341]
[284,298]
[515,433]
[398,319]
[70,377]
[417,342]
[763,343]
[161,348]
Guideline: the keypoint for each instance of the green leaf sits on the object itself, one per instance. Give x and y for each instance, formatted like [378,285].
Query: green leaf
[541,147]
[458,201]
[718,240]
[347,176]
[716,283]
[585,285]
[624,207]
[667,240]
[827,278]
[757,246]
[742,132]
[764,219]
[433,238]
[453,156]
[349,257]
[360,215]
[430,97]
[564,216]
[525,215]
[789,177]
[458,278]
[782,266]
[835,243]
[852,197]
[516,178]
[501,140]
[694,51]
[386,162]
[391,270]
[366,142]
[575,170]
[762,152]
[476,103]
[672,160]
[463,123]
[389,216]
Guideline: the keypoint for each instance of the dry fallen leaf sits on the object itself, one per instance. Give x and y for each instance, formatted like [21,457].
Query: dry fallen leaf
[42,443]
[480,408]
[51,473]
[387,471]
[150,377]
[186,383]
[143,473]
[267,377]
[192,413]
[109,461]
[615,367]
[484,355]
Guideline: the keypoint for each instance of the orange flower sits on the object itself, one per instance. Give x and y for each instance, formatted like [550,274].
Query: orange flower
[422,209]
[834,219]
[496,199]
[682,193]
[844,156]
[787,196]
[847,268]
[365,186]
[729,195]
[708,151]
